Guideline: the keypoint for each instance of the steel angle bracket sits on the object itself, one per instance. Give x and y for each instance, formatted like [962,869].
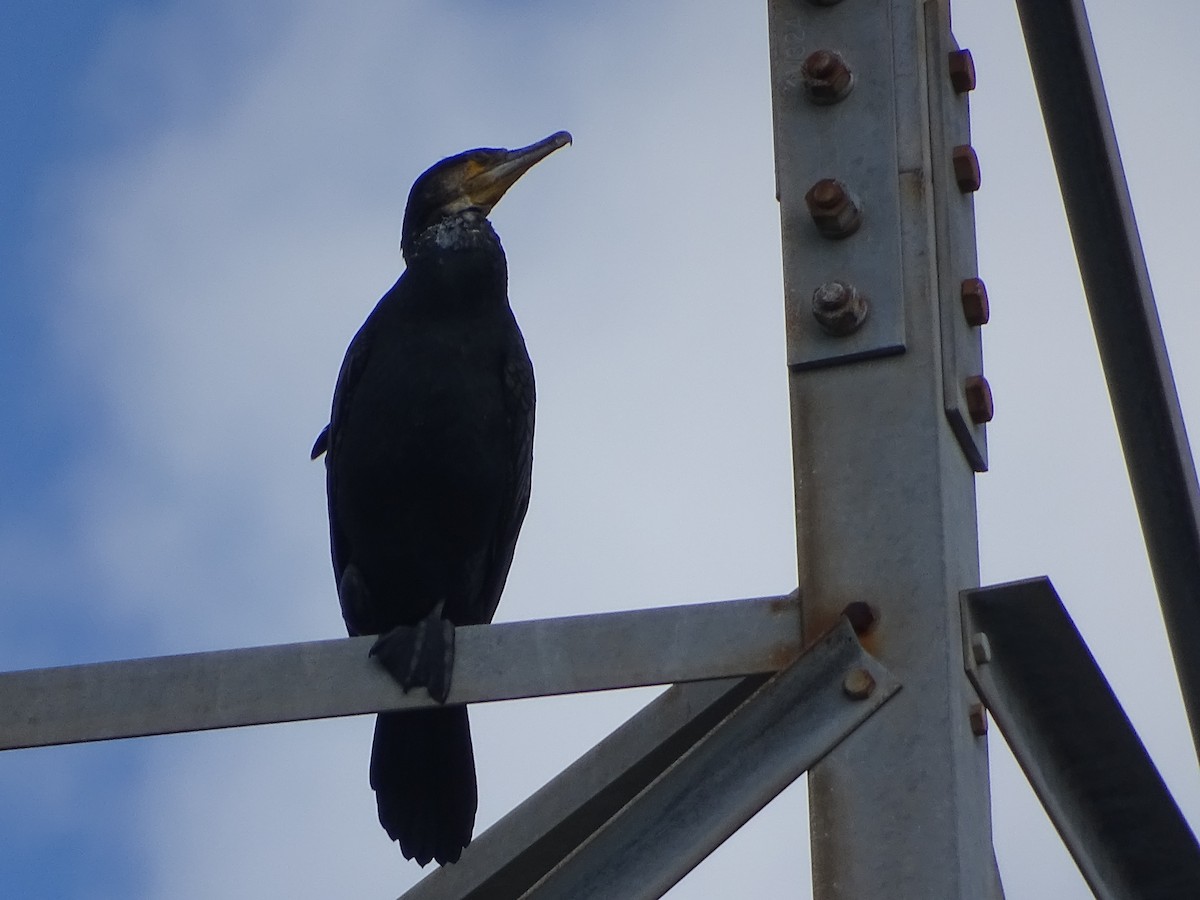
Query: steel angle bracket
[741,765]
[507,859]
[1081,754]
[1129,334]
[733,743]
[962,296]
[852,139]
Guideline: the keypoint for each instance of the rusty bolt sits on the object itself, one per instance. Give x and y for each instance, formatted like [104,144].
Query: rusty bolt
[861,616]
[981,648]
[827,78]
[962,71]
[827,194]
[858,684]
[975,302]
[839,308]
[979,719]
[833,209]
[979,399]
[966,168]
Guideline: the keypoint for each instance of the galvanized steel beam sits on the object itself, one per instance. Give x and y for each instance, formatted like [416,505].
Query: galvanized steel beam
[511,856]
[1128,332]
[1077,747]
[321,679]
[884,489]
[761,748]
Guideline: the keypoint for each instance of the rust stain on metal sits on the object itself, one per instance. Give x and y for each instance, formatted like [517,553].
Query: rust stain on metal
[789,603]
[819,622]
[783,653]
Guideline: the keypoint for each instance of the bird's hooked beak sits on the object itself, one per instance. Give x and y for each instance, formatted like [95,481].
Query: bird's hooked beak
[474,179]
[486,182]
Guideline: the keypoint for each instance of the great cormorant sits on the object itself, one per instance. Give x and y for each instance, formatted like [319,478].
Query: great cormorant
[428,455]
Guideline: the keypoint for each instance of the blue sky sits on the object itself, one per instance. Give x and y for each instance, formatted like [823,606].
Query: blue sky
[58,840]
[201,202]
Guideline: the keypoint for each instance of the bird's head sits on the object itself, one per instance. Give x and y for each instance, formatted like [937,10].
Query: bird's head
[475,179]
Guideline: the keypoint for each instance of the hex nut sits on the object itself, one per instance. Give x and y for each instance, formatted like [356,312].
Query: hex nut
[975,302]
[827,79]
[833,208]
[978,394]
[966,168]
[839,308]
[962,71]
[858,684]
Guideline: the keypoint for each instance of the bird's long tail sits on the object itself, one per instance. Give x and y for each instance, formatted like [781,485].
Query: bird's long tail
[423,773]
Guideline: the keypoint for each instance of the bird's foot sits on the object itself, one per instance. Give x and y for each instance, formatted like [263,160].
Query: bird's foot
[420,655]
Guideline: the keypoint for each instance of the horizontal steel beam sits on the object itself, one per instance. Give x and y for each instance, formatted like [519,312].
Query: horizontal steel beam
[1076,745]
[767,743]
[322,679]
[512,855]
[1128,332]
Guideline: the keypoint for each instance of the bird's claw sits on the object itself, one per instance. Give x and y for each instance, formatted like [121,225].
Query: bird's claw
[421,655]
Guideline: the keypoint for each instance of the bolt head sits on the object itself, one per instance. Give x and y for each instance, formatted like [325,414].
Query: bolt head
[978,394]
[981,648]
[979,719]
[962,71]
[839,308]
[827,194]
[858,684]
[834,211]
[975,302]
[827,78]
[966,168]
[821,64]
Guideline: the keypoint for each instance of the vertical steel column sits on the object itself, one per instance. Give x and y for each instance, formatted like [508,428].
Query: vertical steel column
[875,203]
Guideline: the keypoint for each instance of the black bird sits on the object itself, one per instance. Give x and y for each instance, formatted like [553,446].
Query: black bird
[428,455]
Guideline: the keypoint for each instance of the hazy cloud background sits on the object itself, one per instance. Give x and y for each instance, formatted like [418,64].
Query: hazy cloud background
[202,201]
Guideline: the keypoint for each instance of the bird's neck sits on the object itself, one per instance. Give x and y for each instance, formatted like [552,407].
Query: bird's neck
[459,263]
[464,231]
